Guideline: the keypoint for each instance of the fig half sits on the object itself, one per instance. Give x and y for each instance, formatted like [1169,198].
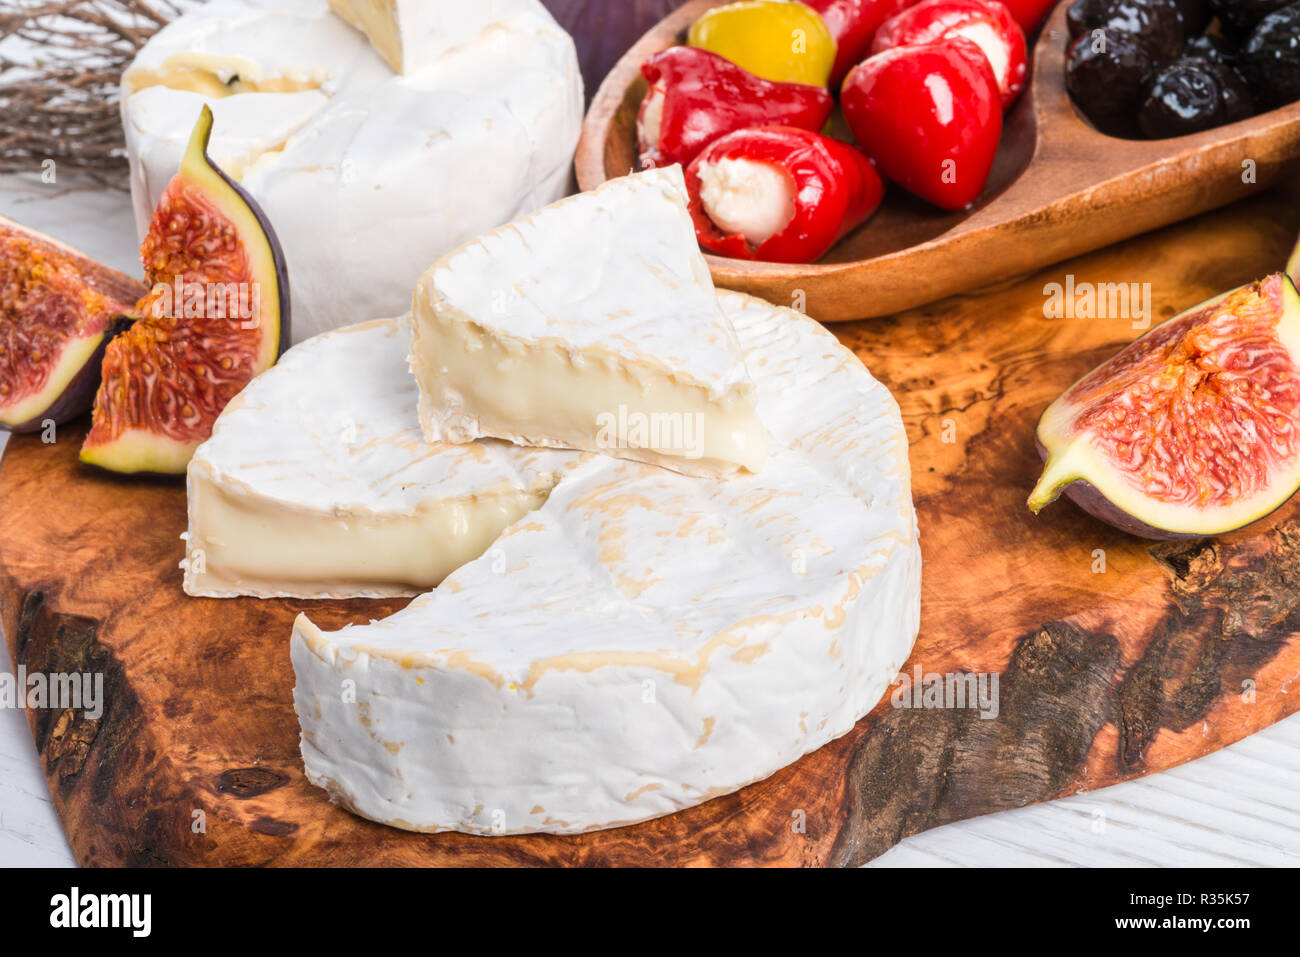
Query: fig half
[216,314]
[58,311]
[1193,429]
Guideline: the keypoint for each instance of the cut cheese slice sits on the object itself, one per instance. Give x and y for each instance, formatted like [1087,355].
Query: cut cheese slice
[592,324]
[409,34]
[643,641]
[316,481]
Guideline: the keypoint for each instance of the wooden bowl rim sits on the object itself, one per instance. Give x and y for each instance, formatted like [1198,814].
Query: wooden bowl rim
[599,124]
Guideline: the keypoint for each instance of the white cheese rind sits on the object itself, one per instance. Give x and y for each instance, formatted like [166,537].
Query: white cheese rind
[409,34]
[367,176]
[317,483]
[644,641]
[572,327]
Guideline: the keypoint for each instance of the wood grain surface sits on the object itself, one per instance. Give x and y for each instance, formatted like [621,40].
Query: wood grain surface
[1058,188]
[1106,672]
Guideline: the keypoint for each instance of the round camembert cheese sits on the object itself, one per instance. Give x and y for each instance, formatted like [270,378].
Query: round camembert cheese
[366,174]
[639,642]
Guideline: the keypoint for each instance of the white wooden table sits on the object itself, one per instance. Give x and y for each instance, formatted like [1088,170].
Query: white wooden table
[1237,807]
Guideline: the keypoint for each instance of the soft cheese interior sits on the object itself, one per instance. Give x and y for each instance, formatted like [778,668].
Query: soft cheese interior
[643,641]
[592,324]
[317,482]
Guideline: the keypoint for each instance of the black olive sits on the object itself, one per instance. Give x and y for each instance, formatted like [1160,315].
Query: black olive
[1270,58]
[1157,24]
[1238,16]
[1106,74]
[1211,47]
[1238,104]
[1192,95]
[1084,15]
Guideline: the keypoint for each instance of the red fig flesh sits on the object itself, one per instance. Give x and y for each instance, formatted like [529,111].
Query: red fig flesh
[216,315]
[1193,429]
[58,310]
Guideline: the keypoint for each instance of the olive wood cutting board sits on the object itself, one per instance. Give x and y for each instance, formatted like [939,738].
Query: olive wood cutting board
[1058,188]
[1116,657]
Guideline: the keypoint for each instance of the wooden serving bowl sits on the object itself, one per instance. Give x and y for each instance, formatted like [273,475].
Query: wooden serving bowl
[1058,188]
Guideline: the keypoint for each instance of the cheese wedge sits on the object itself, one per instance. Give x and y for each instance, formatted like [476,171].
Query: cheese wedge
[316,481]
[409,34]
[592,324]
[643,641]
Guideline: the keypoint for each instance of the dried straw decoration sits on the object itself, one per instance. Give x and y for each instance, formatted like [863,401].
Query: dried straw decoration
[59,82]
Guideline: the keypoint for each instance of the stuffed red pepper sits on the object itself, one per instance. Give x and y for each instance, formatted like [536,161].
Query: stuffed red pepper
[696,96]
[779,194]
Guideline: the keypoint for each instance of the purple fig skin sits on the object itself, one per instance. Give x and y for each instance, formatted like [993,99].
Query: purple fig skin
[1085,495]
[74,401]
[277,252]
[79,396]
